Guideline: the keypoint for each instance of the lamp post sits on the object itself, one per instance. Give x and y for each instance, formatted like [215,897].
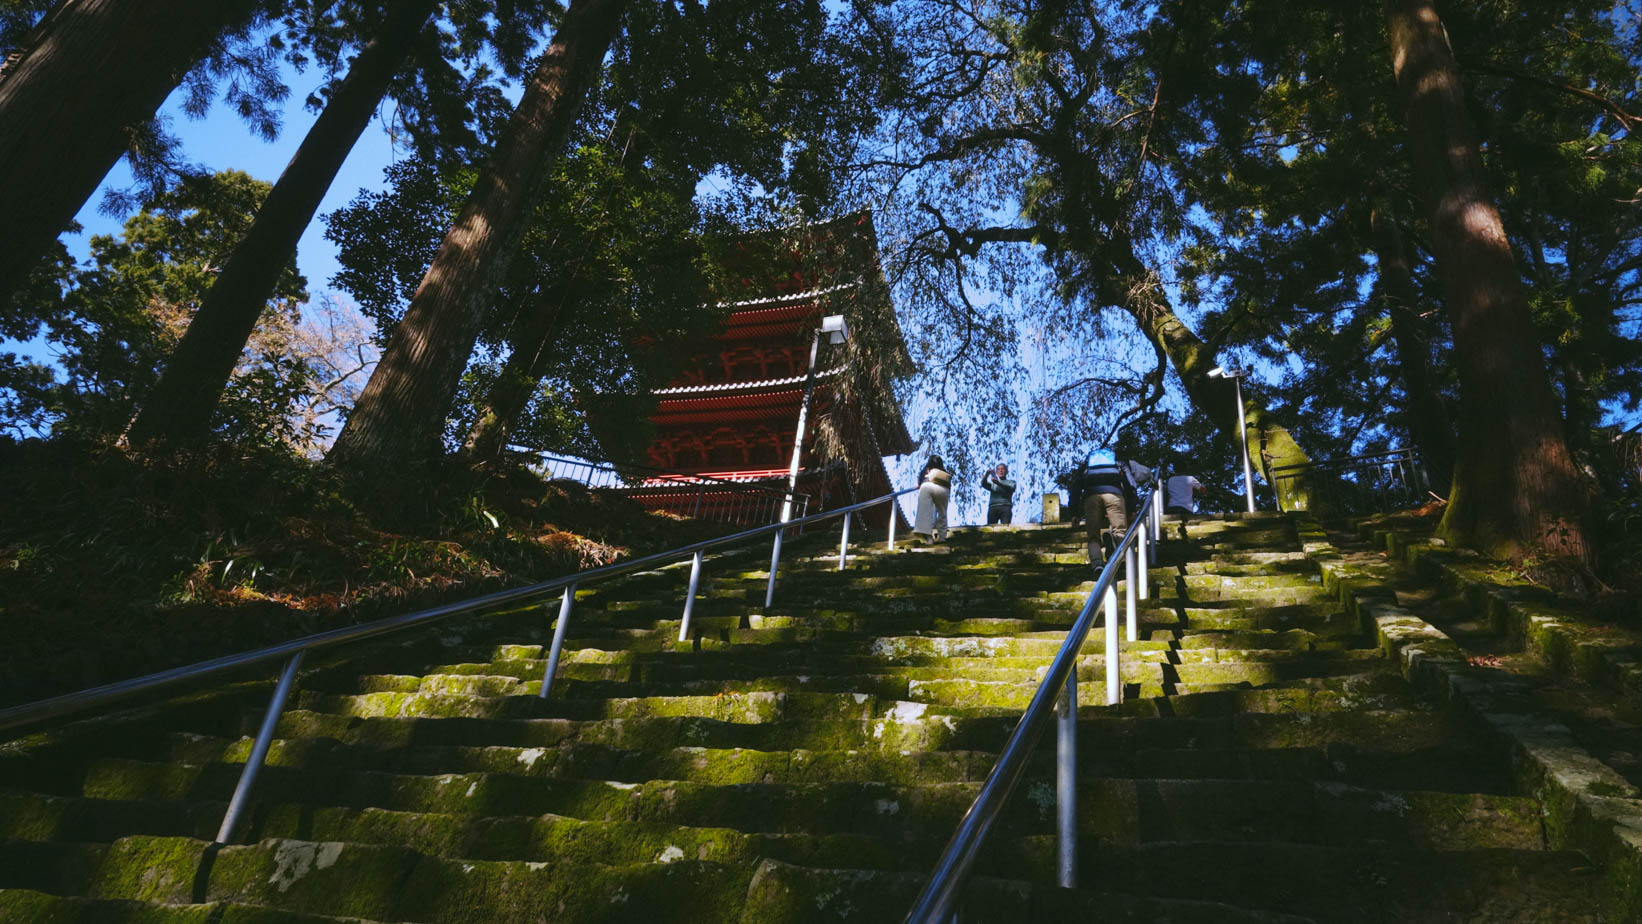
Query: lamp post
[1236,375]
[836,331]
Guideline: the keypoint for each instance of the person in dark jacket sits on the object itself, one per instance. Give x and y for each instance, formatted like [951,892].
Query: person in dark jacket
[1101,489]
[1000,507]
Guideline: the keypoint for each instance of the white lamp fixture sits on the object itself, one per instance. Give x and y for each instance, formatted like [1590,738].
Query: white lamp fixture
[834,327]
[1236,375]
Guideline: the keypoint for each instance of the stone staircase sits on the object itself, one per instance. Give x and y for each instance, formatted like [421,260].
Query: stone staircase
[808,764]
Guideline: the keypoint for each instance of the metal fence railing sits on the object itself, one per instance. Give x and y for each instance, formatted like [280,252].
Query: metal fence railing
[1374,483]
[1057,695]
[699,497]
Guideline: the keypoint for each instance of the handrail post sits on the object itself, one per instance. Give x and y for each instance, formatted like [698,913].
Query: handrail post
[558,640]
[893,511]
[844,544]
[259,750]
[1066,781]
[775,562]
[1114,673]
[1129,591]
[690,599]
[1143,561]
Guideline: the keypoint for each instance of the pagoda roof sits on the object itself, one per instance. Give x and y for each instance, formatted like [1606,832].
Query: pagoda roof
[730,387]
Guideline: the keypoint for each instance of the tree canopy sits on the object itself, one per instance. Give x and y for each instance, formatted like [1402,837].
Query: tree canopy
[1083,207]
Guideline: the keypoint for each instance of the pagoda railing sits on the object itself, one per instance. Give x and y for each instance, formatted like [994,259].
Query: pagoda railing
[701,497]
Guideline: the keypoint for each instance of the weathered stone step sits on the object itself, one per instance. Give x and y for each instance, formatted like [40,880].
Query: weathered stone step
[1139,811]
[781,893]
[749,706]
[819,671]
[592,761]
[24,905]
[1355,884]
[875,809]
[1111,811]
[377,881]
[143,784]
[1144,680]
[907,727]
[975,685]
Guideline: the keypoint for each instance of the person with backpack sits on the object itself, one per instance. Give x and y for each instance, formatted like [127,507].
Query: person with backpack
[934,489]
[1103,488]
[1000,506]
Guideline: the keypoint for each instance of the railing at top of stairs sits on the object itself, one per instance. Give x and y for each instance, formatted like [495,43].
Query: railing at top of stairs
[1381,481]
[293,651]
[695,496]
[1057,695]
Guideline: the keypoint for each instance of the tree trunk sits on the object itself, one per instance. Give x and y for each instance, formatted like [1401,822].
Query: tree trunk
[1515,483]
[100,67]
[179,408]
[401,413]
[1270,445]
[1426,415]
[533,339]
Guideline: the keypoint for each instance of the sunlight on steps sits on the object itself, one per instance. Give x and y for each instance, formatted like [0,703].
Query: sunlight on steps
[808,763]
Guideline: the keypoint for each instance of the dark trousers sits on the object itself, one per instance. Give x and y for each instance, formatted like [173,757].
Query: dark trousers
[999,515]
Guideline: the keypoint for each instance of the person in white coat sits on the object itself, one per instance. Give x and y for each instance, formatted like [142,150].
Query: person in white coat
[934,489]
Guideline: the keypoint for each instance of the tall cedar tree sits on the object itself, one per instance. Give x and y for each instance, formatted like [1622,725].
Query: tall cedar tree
[1515,483]
[400,415]
[179,409]
[1425,414]
[98,68]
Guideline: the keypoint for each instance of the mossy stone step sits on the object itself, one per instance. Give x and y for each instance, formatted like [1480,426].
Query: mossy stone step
[909,726]
[746,706]
[876,809]
[385,882]
[1153,679]
[782,893]
[1138,811]
[23,905]
[1358,883]
[596,761]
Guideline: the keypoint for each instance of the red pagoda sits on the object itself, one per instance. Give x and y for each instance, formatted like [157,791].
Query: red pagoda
[733,413]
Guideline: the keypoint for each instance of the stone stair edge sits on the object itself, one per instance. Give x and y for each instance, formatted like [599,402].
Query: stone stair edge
[1555,632]
[1589,807]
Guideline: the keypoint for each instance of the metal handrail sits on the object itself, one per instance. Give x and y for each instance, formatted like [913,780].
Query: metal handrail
[294,651]
[1057,693]
[1390,455]
[1404,467]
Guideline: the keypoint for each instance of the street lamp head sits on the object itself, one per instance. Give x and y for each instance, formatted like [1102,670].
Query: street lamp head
[834,327]
[1217,372]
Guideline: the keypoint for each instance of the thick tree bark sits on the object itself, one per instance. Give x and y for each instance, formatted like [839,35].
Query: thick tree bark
[100,67]
[179,408]
[1425,415]
[1515,483]
[1270,445]
[532,340]
[401,413]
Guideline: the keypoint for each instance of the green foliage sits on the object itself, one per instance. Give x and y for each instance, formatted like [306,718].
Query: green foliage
[113,319]
[113,565]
